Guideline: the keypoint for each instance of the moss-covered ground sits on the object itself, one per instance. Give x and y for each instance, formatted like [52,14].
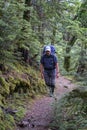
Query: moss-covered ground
[18,86]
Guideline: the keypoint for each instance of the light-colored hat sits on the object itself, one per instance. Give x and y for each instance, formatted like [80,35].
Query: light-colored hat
[47,48]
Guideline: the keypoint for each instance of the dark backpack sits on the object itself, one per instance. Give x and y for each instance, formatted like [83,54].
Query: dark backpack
[53,50]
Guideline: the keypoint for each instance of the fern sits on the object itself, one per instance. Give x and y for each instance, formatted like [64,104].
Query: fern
[70,112]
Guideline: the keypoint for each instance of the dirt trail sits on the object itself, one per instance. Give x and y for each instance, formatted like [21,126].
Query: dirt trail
[42,111]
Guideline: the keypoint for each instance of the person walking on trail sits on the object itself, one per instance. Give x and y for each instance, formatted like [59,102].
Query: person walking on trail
[49,69]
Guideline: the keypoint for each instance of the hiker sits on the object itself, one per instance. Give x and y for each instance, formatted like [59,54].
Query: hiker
[49,69]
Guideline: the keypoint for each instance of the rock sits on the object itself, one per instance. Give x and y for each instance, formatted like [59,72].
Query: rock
[23,124]
[65,86]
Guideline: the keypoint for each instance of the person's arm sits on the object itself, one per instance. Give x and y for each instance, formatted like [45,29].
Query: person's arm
[57,70]
[41,70]
[56,66]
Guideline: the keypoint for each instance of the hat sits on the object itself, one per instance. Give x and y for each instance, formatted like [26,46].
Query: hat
[47,48]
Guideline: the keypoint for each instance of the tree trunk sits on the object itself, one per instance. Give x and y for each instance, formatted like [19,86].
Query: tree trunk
[53,37]
[67,56]
[27,12]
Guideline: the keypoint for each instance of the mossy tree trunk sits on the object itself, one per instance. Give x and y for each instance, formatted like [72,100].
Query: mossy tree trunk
[41,25]
[26,16]
[82,66]
[27,12]
[82,17]
[68,49]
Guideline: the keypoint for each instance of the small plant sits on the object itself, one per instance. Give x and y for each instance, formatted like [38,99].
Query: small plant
[70,112]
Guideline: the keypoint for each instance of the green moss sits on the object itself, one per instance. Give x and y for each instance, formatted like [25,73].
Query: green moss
[7,123]
[5,86]
[1,99]
[1,112]
[41,86]
[17,87]
[2,81]
[20,114]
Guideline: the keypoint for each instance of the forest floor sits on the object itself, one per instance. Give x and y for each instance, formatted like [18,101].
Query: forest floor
[40,113]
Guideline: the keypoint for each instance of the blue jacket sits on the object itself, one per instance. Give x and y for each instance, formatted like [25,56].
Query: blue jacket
[49,62]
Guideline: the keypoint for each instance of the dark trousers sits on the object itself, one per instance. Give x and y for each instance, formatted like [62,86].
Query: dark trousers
[49,76]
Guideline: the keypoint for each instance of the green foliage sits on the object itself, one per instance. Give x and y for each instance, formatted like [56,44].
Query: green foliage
[43,23]
[28,39]
[70,111]
[7,122]
[82,14]
[5,86]
[27,27]
[20,114]
[10,26]
[23,85]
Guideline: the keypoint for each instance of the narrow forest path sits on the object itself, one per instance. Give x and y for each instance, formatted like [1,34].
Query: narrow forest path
[41,112]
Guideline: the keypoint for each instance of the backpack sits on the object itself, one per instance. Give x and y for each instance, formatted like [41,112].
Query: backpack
[53,50]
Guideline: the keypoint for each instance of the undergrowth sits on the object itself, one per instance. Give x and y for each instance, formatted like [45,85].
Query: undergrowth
[70,112]
[17,87]
[12,112]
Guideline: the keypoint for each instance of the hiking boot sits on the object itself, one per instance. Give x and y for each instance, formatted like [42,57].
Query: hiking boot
[51,93]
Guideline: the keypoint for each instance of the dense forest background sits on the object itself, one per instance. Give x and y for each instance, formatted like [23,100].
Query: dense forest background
[25,27]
